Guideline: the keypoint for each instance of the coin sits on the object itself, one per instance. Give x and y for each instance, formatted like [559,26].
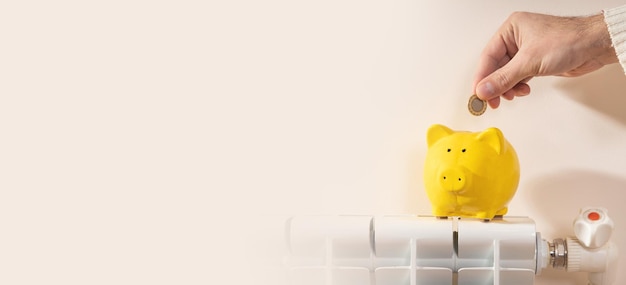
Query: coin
[476,106]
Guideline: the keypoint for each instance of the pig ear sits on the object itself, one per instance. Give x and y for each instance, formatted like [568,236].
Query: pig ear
[436,132]
[494,138]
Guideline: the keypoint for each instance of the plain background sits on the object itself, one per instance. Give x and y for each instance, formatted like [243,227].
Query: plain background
[151,142]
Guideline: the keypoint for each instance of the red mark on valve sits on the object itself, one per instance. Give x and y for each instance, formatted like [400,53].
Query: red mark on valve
[594,216]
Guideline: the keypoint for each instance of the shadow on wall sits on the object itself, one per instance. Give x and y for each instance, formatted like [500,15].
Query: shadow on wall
[602,90]
[557,199]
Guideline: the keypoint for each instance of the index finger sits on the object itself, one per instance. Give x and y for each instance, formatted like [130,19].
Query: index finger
[496,53]
[493,57]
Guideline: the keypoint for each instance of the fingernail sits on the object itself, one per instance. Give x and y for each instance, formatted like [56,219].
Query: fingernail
[485,91]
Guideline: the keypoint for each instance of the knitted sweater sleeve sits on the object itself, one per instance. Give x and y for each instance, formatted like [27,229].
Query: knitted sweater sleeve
[615,19]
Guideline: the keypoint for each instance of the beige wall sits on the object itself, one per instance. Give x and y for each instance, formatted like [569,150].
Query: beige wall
[142,141]
[345,91]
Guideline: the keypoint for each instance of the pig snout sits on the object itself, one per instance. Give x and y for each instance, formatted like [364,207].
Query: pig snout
[452,179]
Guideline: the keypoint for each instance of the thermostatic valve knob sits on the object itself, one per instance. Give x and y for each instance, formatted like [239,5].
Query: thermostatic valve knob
[593,227]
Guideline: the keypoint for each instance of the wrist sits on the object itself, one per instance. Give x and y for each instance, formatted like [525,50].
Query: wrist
[615,22]
[600,43]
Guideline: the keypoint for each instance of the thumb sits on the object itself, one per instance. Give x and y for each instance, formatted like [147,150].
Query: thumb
[503,79]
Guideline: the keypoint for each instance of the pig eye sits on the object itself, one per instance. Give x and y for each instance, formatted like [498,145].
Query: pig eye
[463,150]
[449,150]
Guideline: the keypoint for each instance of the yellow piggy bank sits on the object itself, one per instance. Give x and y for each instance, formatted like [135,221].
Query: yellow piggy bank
[470,174]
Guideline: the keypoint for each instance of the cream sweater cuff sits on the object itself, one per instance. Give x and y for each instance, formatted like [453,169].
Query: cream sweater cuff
[616,22]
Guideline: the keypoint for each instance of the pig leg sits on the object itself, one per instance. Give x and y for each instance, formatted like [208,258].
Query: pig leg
[489,215]
[443,212]
[500,213]
[486,215]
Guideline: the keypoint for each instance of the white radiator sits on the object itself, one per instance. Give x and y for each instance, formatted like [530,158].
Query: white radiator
[422,250]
